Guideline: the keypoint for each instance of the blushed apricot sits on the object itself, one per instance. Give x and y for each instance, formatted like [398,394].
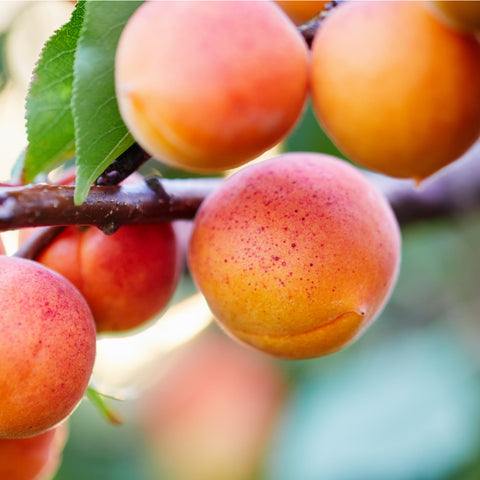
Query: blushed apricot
[207,86]
[47,347]
[216,405]
[296,255]
[32,458]
[395,89]
[126,278]
[458,14]
[301,11]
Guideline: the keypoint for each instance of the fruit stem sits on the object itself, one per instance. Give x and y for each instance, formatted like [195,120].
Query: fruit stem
[100,403]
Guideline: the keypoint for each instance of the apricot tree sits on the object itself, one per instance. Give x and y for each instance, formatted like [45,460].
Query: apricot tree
[296,255]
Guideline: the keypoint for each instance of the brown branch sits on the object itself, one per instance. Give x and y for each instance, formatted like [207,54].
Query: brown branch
[108,208]
[127,163]
[453,192]
[309,29]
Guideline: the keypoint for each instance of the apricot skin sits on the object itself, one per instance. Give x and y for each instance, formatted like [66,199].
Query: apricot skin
[296,255]
[458,14]
[301,11]
[126,278]
[47,348]
[394,88]
[32,458]
[202,86]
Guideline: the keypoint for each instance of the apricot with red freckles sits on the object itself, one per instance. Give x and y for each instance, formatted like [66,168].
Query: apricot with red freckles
[296,255]
[47,347]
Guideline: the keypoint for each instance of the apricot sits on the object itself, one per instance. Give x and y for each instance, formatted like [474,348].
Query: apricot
[127,278]
[207,86]
[458,14]
[394,88]
[296,255]
[301,11]
[216,406]
[32,458]
[47,347]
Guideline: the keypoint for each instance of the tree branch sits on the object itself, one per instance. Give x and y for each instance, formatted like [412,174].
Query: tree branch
[108,208]
[455,191]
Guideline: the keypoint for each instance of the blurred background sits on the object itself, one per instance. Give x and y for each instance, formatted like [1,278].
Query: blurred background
[402,403]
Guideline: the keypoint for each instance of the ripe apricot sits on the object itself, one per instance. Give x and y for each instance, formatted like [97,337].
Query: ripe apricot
[458,14]
[216,405]
[32,458]
[296,255]
[127,278]
[207,86]
[47,347]
[301,11]
[394,88]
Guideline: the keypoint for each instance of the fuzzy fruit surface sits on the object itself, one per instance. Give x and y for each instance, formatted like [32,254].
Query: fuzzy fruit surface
[301,11]
[395,89]
[207,86]
[458,14]
[32,458]
[47,347]
[126,278]
[296,255]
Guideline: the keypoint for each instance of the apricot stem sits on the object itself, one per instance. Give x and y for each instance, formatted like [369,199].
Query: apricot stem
[127,163]
[99,402]
[309,29]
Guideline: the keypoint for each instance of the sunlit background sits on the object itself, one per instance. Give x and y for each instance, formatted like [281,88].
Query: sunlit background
[403,403]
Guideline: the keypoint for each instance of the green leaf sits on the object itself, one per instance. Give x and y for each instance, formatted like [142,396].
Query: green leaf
[49,120]
[4,73]
[100,132]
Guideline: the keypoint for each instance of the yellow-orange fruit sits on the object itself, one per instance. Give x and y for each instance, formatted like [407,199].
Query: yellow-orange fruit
[47,347]
[301,11]
[32,458]
[296,255]
[127,278]
[458,14]
[206,86]
[216,405]
[394,88]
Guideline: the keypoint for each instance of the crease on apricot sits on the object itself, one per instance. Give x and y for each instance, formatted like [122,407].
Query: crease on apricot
[322,340]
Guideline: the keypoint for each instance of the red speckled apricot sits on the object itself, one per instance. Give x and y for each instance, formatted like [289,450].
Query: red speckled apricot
[296,255]
[207,86]
[47,347]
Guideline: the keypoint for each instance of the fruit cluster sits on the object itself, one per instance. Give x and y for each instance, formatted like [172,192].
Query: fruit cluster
[296,255]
